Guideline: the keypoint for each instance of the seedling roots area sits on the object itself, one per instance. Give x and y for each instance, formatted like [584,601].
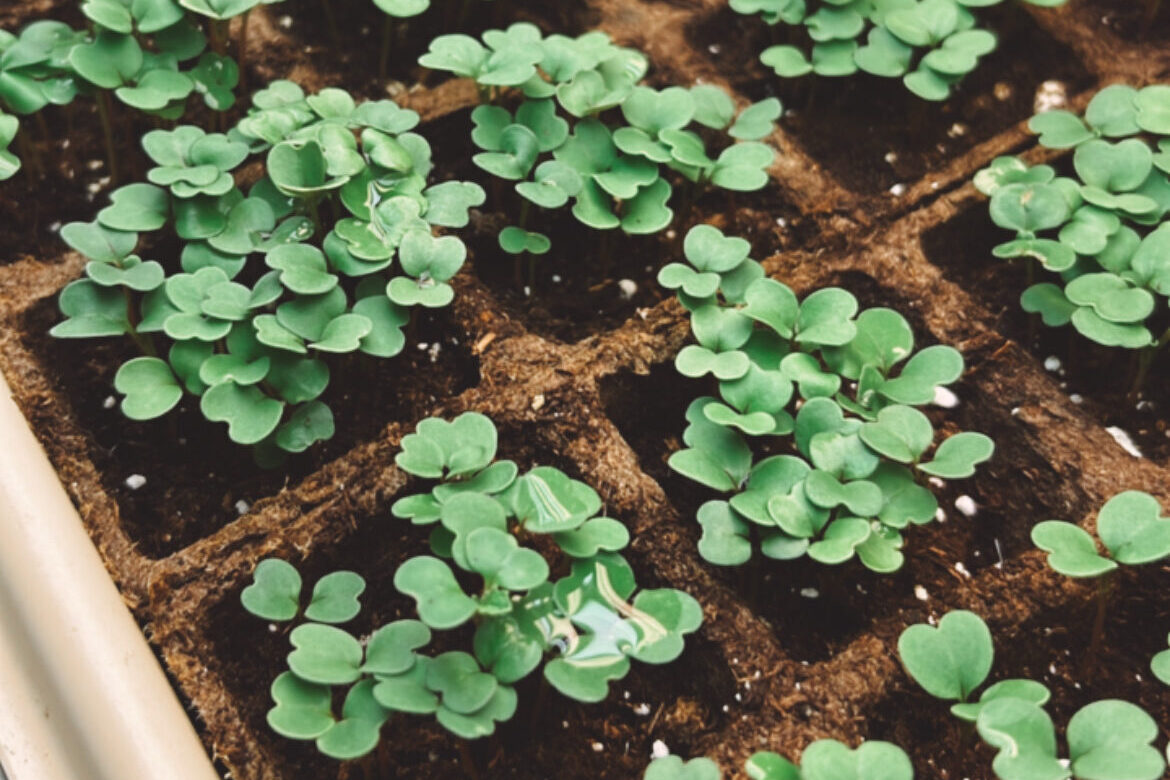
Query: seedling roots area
[870,191]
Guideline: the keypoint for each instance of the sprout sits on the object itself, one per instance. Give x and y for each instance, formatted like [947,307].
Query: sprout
[931,45]
[825,759]
[252,344]
[484,515]
[1101,230]
[1107,740]
[589,133]
[841,387]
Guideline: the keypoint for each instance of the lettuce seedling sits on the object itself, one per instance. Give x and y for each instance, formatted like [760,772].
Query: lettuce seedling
[252,310]
[930,44]
[825,759]
[486,520]
[587,132]
[1107,740]
[1102,230]
[836,389]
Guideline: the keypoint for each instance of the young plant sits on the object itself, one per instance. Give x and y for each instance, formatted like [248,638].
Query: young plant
[1131,528]
[136,50]
[1103,230]
[487,523]
[587,132]
[246,317]
[1107,740]
[825,759]
[831,392]
[930,44]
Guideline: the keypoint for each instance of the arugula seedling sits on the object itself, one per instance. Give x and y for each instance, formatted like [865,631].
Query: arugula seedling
[1108,739]
[588,132]
[252,311]
[1133,531]
[1103,229]
[930,44]
[825,759]
[484,516]
[838,387]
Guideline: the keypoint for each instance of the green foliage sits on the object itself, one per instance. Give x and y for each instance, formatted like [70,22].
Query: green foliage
[825,759]
[930,44]
[1107,740]
[1101,232]
[487,522]
[835,389]
[251,311]
[588,132]
[1131,528]
[152,54]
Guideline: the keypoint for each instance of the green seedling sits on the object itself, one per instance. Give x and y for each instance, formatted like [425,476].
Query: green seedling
[930,44]
[588,133]
[1107,740]
[1133,532]
[1102,230]
[149,53]
[487,578]
[825,759]
[836,387]
[275,594]
[248,317]
[1160,665]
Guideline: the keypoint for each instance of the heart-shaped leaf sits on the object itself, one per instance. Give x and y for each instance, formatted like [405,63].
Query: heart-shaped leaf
[957,457]
[251,416]
[1110,740]
[335,597]
[440,600]
[275,592]
[827,759]
[1072,551]
[324,655]
[150,388]
[1132,528]
[949,661]
[303,710]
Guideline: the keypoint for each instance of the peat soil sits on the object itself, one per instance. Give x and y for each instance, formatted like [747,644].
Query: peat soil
[573,359]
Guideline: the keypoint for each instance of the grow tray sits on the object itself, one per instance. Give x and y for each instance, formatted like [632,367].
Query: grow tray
[579,376]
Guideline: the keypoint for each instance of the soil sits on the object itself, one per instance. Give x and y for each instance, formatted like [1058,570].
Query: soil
[577,372]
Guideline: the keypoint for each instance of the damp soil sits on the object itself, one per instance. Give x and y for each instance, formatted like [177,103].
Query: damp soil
[580,376]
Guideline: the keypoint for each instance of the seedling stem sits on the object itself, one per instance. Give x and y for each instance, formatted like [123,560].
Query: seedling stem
[103,105]
[1104,590]
[242,50]
[331,22]
[384,54]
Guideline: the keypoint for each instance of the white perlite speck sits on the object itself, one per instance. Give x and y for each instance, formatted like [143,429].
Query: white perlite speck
[627,287]
[242,507]
[810,593]
[945,398]
[898,190]
[598,747]
[1122,438]
[1052,363]
[135,481]
[659,749]
[966,505]
[110,402]
[642,710]
[920,593]
[1050,95]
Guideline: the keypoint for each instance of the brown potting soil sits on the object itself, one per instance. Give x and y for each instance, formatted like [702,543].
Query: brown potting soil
[577,372]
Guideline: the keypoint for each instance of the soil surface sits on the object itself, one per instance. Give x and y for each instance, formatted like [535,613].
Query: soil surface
[573,359]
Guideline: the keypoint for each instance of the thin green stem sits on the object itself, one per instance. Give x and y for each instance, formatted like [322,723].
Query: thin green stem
[103,104]
[242,51]
[331,23]
[384,54]
[1104,590]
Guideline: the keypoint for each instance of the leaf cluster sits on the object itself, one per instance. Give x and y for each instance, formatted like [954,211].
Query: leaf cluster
[825,759]
[586,131]
[493,532]
[1101,231]
[1107,740]
[152,54]
[930,44]
[830,392]
[1131,528]
[246,317]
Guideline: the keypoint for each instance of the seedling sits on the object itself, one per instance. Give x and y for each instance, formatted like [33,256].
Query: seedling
[930,44]
[838,389]
[248,316]
[1131,528]
[1160,665]
[588,133]
[1102,230]
[825,759]
[485,519]
[135,50]
[1107,740]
